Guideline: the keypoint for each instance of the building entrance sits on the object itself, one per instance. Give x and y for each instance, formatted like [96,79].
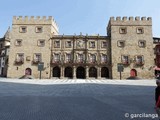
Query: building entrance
[80,73]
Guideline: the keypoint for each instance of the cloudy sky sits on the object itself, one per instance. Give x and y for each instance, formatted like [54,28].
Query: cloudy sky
[75,16]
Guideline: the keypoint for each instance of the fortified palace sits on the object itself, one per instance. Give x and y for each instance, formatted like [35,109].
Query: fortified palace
[128,47]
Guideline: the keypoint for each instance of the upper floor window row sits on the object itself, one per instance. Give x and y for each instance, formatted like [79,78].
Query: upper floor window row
[123,30]
[38,29]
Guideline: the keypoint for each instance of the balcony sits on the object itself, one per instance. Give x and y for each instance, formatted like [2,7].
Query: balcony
[36,61]
[55,61]
[124,62]
[19,61]
[139,63]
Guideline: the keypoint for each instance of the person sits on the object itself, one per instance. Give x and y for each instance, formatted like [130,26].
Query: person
[157,97]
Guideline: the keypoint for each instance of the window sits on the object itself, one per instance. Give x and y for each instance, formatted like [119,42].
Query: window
[57,44]
[140,30]
[68,57]
[39,29]
[41,43]
[139,60]
[123,30]
[18,42]
[19,58]
[92,58]
[121,43]
[103,58]
[80,58]
[142,43]
[68,44]
[125,59]
[92,44]
[56,57]
[23,29]
[37,57]
[104,44]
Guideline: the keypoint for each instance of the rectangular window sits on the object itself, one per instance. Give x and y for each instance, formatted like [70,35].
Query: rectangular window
[125,59]
[142,43]
[19,58]
[68,57]
[39,29]
[80,58]
[139,60]
[140,30]
[123,30]
[41,43]
[121,43]
[104,44]
[18,42]
[57,44]
[92,58]
[68,44]
[37,57]
[23,29]
[103,58]
[56,57]
[92,44]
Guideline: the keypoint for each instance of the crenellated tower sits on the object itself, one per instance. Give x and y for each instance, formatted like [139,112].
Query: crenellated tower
[131,46]
[30,44]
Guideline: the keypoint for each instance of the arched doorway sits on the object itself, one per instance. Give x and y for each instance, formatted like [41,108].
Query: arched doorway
[104,72]
[68,72]
[56,72]
[133,73]
[80,73]
[93,72]
[28,71]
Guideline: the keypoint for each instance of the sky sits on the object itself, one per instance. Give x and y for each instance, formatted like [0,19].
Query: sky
[80,16]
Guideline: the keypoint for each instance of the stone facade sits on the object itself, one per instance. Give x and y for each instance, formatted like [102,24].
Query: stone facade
[30,44]
[129,42]
[132,45]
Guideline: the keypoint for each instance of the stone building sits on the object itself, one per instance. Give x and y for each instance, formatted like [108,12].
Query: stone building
[30,44]
[80,56]
[4,52]
[132,45]
[128,42]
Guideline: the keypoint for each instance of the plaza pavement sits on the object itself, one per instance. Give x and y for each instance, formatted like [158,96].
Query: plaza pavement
[67,99]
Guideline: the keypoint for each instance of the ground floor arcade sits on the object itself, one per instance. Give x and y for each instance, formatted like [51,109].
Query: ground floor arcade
[80,72]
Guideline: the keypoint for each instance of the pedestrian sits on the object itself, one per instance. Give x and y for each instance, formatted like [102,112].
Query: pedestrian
[157,97]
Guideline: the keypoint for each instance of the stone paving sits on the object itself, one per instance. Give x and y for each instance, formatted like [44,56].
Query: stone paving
[76,100]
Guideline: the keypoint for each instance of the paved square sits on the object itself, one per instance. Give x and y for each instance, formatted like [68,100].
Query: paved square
[76,99]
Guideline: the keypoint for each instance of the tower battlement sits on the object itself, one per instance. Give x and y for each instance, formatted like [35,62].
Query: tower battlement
[130,21]
[32,20]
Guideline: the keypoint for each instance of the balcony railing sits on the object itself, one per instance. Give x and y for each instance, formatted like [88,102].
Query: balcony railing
[124,62]
[19,61]
[36,61]
[139,63]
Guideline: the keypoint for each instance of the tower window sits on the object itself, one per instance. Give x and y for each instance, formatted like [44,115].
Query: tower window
[123,30]
[142,43]
[23,29]
[140,30]
[18,42]
[121,43]
[39,29]
[41,43]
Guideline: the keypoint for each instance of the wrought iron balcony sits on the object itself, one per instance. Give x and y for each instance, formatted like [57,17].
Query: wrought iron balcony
[19,61]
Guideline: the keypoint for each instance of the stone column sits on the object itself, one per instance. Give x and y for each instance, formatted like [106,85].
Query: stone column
[74,72]
[87,74]
[98,73]
[62,73]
